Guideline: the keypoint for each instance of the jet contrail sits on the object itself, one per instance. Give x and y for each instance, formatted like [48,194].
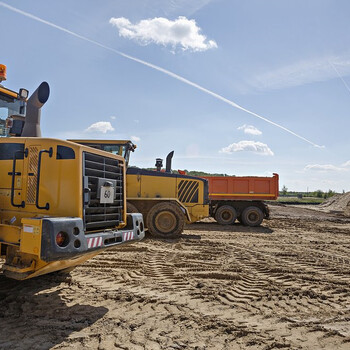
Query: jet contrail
[160,69]
[342,79]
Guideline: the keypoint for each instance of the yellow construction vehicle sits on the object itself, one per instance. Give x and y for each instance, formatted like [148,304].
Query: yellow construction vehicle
[61,203]
[167,200]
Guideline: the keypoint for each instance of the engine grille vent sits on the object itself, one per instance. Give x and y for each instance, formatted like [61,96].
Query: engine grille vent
[188,191]
[98,215]
[32,174]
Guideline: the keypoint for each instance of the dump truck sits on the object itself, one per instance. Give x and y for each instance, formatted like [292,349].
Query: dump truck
[167,200]
[61,203]
[241,198]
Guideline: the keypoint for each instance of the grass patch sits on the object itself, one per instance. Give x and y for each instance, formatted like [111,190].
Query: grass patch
[296,200]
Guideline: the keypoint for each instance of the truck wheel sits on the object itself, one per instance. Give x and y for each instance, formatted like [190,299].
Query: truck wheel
[165,220]
[130,208]
[252,216]
[226,215]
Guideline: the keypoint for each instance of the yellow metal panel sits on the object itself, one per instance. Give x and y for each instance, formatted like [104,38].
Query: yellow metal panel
[8,92]
[31,236]
[10,234]
[60,180]
[133,186]
[158,187]
[43,268]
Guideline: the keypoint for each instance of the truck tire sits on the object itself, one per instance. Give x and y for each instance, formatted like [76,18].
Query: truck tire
[252,216]
[165,220]
[130,208]
[226,215]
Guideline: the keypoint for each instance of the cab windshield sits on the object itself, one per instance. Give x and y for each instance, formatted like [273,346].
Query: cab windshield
[9,107]
[120,150]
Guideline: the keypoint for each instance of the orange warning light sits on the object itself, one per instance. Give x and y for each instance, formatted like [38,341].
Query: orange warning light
[2,72]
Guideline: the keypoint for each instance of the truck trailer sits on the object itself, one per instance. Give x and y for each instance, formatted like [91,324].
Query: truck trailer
[241,198]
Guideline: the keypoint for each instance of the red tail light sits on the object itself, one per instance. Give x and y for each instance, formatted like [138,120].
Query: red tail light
[62,239]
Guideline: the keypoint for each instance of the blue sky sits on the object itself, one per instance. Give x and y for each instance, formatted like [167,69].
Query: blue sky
[287,61]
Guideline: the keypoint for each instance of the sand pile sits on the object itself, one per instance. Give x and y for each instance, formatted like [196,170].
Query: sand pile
[339,203]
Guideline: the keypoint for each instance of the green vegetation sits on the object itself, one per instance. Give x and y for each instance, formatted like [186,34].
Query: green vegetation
[194,172]
[203,173]
[303,200]
[284,193]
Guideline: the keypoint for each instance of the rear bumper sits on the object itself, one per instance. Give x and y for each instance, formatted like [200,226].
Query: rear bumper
[81,243]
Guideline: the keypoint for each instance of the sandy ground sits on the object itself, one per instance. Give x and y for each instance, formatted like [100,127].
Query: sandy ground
[282,285]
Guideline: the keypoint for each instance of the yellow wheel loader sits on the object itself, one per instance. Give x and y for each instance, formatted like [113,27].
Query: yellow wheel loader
[61,203]
[167,200]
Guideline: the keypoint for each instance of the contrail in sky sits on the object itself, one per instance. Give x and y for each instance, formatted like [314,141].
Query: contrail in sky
[160,69]
[342,79]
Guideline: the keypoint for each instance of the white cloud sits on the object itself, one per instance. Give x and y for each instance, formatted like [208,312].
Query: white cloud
[102,127]
[303,72]
[250,129]
[135,138]
[323,167]
[248,146]
[346,164]
[181,32]
[113,117]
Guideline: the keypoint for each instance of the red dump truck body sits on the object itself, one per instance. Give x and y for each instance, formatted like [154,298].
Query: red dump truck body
[241,198]
[242,187]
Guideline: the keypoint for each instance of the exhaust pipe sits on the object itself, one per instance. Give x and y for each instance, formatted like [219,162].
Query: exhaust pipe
[168,162]
[35,102]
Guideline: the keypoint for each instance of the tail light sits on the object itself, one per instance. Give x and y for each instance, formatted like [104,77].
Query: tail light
[62,239]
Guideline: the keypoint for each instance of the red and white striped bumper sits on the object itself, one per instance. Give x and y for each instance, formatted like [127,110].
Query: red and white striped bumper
[127,236]
[94,242]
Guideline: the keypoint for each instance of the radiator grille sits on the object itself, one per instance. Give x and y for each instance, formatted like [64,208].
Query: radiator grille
[188,191]
[32,173]
[97,215]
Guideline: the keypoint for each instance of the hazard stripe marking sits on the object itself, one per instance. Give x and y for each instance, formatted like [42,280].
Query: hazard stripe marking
[127,236]
[94,242]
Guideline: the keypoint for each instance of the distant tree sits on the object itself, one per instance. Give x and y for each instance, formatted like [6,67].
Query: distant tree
[329,194]
[284,190]
[319,194]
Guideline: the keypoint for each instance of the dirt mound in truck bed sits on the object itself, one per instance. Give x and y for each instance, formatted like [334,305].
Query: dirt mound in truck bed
[339,202]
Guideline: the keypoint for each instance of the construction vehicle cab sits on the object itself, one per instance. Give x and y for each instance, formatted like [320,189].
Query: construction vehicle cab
[166,199]
[121,147]
[60,203]
[12,108]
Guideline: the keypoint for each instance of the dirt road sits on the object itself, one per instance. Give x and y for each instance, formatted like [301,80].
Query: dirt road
[283,285]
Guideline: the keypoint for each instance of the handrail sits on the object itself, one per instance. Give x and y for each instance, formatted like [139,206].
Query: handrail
[13,174]
[47,205]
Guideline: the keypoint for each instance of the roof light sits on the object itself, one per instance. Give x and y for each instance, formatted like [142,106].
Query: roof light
[23,93]
[2,72]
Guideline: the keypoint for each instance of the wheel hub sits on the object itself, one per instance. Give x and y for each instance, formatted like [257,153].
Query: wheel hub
[165,221]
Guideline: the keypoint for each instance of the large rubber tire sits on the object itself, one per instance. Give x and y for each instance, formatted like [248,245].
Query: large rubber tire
[165,220]
[226,215]
[130,208]
[252,216]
